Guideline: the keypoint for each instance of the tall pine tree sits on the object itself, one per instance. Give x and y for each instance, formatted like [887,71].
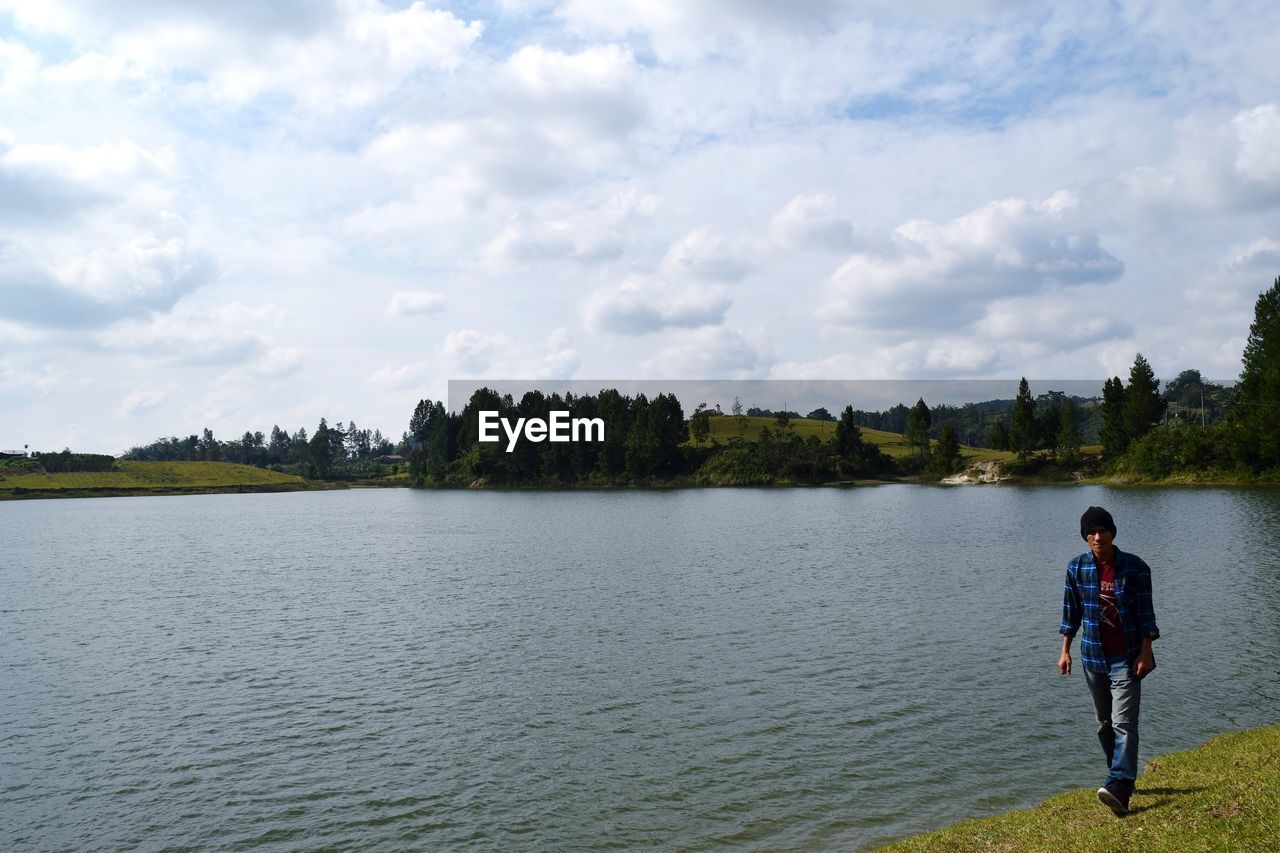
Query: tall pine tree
[917,431]
[1257,410]
[1022,432]
[848,436]
[1143,405]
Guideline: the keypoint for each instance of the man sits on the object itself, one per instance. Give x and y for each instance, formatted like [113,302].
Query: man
[1109,592]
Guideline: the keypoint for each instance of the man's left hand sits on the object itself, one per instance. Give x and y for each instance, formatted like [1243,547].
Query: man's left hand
[1145,663]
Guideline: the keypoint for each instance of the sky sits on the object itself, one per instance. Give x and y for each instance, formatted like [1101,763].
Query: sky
[236,215]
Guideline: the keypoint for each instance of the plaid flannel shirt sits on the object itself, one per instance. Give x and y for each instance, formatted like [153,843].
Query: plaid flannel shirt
[1081,602]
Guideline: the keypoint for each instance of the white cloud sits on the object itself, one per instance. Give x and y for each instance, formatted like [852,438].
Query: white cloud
[682,31]
[642,305]
[1053,323]
[113,165]
[345,57]
[371,54]
[561,359]
[77,288]
[713,352]
[149,270]
[219,336]
[476,354]
[279,361]
[1262,255]
[1218,165]
[943,357]
[704,254]
[416,374]
[139,401]
[947,274]
[1257,155]
[472,351]
[18,66]
[584,104]
[89,19]
[41,378]
[541,123]
[406,302]
[600,233]
[810,220]
[45,183]
[16,335]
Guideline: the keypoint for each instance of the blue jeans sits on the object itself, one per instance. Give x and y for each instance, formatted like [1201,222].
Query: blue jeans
[1117,694]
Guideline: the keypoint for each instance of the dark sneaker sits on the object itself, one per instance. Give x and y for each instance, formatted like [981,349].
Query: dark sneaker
[1115,797]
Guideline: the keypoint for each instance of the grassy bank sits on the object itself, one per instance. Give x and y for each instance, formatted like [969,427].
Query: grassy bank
[1224,795]
[131,477]
[726,428]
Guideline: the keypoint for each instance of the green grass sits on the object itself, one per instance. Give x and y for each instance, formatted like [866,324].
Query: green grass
[725,428]
[1224,795]
[151,475]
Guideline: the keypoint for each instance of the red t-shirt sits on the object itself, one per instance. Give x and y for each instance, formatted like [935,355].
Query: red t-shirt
[1113,643]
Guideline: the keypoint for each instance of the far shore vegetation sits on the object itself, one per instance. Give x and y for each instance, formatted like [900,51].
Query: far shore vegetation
[1223,795]
[1192,431]
[94,475]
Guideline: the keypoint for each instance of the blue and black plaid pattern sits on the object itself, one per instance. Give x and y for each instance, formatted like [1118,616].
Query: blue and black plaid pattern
[1081,602]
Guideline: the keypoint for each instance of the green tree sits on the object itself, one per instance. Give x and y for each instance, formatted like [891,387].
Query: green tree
[670,431]
[1143,405]
[1186,389]
[1068,439]
[1256,418]
[641,447]
[278,450]
[617,412]
[848,436]
[1022,432]
[210,447]
[1115,438]
[946,455]
[917,430]
[485,460]
[1000,436]
[1049,420]
[430,454]
[321,450]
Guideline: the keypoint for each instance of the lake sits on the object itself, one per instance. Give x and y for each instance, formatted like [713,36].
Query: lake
[789,668]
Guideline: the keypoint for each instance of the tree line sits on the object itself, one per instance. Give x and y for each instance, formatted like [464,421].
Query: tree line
[330,452]
[646,441]
[1243,434]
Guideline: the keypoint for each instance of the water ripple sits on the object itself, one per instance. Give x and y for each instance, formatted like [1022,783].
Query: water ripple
[398,670]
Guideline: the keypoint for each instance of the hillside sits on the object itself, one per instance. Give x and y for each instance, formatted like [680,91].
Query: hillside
[725,428]
[132,477]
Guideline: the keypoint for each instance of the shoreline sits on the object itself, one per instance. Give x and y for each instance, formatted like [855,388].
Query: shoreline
[1227,789]
[956,481]
[22,494]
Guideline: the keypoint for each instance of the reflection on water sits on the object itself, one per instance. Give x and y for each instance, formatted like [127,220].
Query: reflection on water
[772,668]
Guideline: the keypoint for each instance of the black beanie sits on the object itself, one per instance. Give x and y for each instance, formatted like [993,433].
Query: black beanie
[1096,516]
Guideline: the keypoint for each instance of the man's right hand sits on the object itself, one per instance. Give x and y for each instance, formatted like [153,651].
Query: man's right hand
[1064,663]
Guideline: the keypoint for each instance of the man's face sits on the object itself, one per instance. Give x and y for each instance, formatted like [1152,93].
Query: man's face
[1100,541]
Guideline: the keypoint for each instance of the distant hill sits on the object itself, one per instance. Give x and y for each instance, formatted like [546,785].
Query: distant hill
[725,428]
[130,477]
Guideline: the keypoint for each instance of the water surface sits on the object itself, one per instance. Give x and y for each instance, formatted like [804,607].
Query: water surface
[792,668]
